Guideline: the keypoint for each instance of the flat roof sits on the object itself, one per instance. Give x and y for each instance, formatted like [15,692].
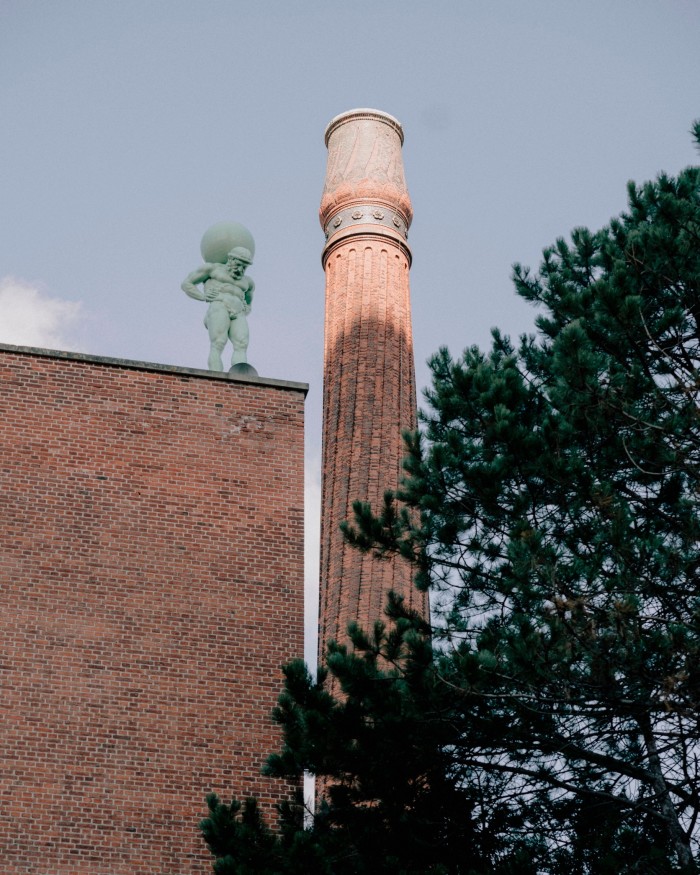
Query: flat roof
[153,366]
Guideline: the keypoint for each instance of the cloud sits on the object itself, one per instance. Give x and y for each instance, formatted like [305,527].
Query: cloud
[29,316]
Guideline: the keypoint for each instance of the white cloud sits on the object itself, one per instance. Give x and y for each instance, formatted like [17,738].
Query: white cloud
[29,316]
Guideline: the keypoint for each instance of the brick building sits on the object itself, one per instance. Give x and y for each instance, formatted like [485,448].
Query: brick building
[151,585]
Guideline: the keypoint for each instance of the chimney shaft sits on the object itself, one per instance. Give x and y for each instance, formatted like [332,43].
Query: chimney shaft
[369,393]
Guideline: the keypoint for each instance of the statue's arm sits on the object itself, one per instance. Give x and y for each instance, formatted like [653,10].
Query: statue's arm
[249,293]
[190,283]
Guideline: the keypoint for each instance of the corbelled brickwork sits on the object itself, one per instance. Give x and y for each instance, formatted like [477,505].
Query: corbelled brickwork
[369,384]
[151,580]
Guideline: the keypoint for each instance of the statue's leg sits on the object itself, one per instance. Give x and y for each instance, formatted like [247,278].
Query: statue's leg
[238,332]
[217,322]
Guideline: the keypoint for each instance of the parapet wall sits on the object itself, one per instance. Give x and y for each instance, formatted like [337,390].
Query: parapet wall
[151,585]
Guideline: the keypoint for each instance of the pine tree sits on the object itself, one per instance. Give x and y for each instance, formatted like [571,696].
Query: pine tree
[557,488]
[548,720]
[385,748]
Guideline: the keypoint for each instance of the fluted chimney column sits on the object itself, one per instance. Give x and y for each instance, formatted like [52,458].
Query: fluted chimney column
[369,393]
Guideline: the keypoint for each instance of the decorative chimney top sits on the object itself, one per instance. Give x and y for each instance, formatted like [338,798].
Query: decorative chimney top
[365,183]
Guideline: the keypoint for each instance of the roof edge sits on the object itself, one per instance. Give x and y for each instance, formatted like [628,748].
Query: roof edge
[108,361]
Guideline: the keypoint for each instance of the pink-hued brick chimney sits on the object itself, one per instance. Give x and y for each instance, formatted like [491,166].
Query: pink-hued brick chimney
[369,393]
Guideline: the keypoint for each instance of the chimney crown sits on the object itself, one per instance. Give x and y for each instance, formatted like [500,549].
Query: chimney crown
[365,187]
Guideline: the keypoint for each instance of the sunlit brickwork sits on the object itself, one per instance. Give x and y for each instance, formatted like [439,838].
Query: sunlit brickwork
[369,393]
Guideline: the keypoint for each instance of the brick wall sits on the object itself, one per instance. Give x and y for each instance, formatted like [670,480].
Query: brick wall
[151,586]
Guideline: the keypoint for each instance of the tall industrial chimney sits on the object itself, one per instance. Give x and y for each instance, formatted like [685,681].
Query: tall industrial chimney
[369,393]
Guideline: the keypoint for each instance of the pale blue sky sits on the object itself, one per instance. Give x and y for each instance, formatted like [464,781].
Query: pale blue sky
[130,127]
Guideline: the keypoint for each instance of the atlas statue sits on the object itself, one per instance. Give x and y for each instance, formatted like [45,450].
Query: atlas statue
[227,290]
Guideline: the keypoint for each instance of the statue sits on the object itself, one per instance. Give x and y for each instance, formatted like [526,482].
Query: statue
[228,291]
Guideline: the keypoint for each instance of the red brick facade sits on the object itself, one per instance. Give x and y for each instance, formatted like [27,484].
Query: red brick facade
[151,585]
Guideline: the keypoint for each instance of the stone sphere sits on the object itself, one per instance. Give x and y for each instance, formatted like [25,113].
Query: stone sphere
[220,239]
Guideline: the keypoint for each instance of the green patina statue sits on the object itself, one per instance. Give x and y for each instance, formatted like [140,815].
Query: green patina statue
[226,289]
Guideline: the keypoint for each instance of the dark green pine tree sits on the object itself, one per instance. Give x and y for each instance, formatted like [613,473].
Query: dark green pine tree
[548,721]
[556,486]
[384,749]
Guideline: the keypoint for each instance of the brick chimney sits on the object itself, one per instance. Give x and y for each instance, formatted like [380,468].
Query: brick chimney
[369,393]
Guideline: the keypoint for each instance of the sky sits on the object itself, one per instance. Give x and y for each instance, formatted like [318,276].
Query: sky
[129,128]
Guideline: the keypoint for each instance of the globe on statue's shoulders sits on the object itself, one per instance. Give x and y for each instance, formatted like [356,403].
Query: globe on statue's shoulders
[221,238]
